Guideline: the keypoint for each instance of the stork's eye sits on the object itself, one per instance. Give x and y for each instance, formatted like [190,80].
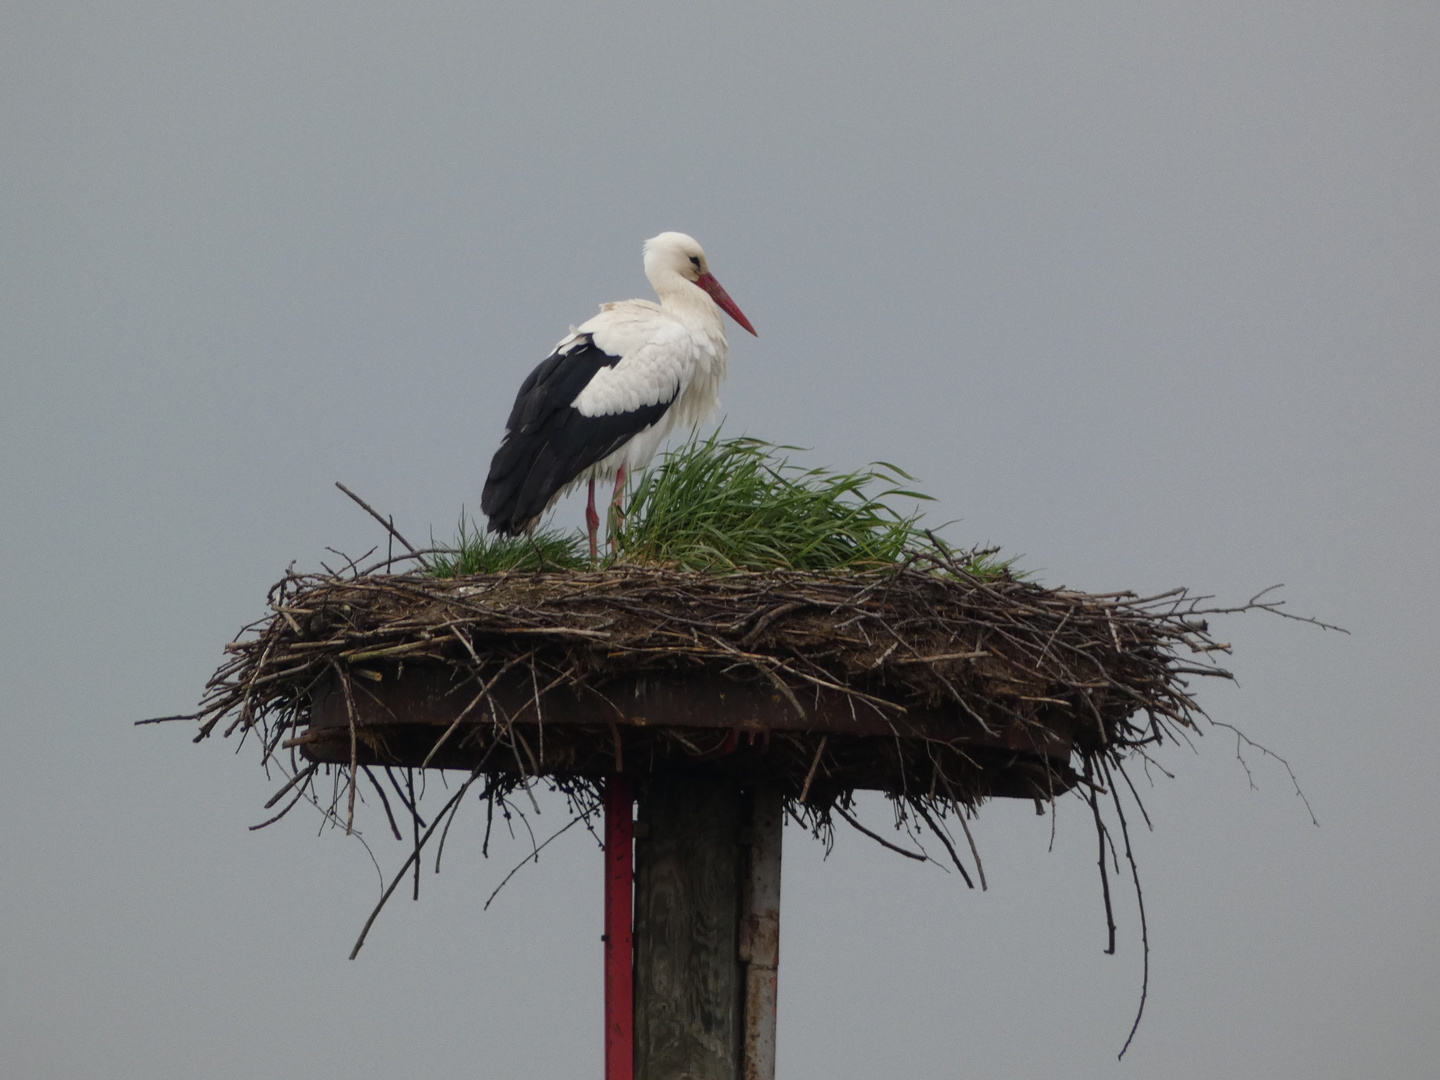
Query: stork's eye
[695,261]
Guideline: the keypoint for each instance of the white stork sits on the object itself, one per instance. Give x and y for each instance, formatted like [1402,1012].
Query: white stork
[601,404]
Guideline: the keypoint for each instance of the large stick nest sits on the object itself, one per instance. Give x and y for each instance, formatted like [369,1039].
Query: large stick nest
[1106,674]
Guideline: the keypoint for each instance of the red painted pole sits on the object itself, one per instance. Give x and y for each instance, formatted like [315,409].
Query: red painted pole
[619,938]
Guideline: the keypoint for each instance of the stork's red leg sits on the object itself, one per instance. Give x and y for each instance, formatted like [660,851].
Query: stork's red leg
[592,520]
[618,520]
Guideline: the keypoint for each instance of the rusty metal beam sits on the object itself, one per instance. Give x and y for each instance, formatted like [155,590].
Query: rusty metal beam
[619,939]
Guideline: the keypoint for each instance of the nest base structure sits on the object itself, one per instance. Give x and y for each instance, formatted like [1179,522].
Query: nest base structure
[697,724]
[715,702]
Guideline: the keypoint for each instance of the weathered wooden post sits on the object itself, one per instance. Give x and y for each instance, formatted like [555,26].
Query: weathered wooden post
[707,928]
[760,931]
[688,980]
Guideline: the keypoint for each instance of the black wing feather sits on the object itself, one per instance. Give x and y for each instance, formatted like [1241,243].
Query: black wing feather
[548,443]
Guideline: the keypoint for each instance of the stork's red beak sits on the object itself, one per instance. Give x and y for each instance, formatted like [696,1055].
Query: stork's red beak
[721,297]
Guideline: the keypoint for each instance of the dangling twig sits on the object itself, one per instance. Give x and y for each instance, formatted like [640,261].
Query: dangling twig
[414,827]
[814,764]
[414,855]
[394,828]
[1104,874]
[878,838]
[534,856]
[1140,902]
[935,828]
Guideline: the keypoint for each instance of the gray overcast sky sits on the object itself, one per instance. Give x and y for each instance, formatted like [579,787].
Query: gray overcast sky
[1146,293]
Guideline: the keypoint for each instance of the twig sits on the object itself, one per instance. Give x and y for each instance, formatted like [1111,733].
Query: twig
[297,778]
[445,832]
[1140,902]
[288,807]
[535,854]
[167,719]
[413,856]
[979,866]
[935,828]
[1240,737]
[476,700]
[414,827]
[385,802]
[344,677]
[877,838]
[1104,874]
[814,764]
[389,527]
[400,794]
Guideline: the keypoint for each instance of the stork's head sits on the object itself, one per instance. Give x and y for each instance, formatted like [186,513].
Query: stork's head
[674,254]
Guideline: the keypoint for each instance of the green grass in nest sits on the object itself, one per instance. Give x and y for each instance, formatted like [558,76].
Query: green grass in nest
[715,505]
[739,504]
[477,552]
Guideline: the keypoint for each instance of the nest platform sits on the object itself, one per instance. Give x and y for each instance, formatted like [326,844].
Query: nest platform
[923,682]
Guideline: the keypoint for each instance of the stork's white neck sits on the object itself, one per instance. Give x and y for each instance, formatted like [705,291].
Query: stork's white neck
[688,302]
